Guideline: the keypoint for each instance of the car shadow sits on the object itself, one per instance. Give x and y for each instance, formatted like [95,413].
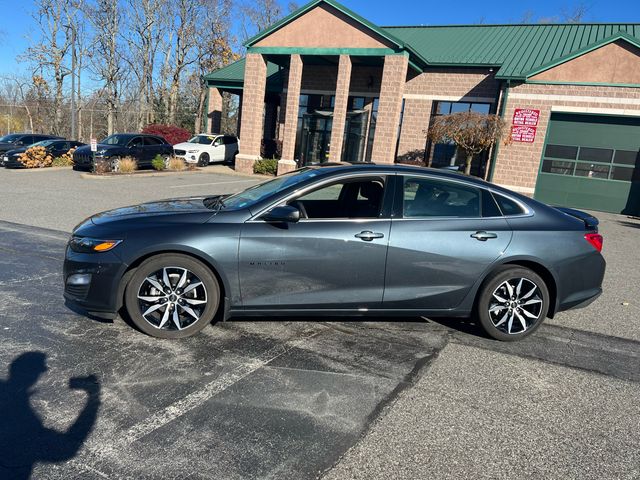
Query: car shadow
[626,223]
[24,439]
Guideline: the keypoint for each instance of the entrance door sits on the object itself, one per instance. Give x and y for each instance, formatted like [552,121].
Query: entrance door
[591,162]
[316,136]
[333,258]
[355,135]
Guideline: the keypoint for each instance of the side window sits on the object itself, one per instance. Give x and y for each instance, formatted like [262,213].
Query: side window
[218,141]
[136,142]
[508,206]
[353,198]
[152,141]
[425,197]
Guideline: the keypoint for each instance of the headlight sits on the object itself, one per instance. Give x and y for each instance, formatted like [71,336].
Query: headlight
[101,152]
[192,151]
[92,245]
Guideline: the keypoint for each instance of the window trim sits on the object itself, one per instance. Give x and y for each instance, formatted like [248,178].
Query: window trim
[386,213]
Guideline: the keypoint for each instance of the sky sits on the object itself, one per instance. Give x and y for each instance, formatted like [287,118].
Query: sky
[18,25]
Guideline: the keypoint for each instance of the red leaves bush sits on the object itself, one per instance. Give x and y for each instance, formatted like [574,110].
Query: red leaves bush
[171,133]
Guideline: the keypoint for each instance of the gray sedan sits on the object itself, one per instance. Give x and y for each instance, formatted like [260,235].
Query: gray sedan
[338,240]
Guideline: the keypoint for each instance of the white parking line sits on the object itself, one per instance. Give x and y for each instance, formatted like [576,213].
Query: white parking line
[208,184]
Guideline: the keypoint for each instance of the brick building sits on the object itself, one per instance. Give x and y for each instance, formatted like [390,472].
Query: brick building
[330,86]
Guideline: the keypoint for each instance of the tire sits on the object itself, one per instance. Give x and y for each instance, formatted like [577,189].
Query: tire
[512,303]
[150,315]
[167,159]
[114,163]
[203,160]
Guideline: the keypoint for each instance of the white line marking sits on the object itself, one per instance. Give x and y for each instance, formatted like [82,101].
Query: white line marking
[214,183]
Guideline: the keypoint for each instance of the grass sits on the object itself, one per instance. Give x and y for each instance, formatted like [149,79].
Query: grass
[128,165]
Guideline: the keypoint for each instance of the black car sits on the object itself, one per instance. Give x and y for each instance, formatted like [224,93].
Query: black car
[142,147]
[17,140]
[334,240]
[55,148]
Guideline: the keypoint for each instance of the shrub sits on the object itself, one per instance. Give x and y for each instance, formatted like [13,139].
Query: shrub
[266,166]
[177,164]
[171,133]
[128,165]
[102,166]
[65,160]
[271,148]
[36,157]
[158,162]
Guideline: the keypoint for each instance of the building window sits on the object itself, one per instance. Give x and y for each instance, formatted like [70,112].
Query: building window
[447,154]
[589,162]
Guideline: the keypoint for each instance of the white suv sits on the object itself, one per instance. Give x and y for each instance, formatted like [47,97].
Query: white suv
[206,148]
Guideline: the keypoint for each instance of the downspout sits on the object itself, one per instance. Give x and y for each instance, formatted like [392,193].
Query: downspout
[494,153]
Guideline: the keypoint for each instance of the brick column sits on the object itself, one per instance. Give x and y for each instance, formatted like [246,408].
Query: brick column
[214,111]
[287,163]
[255,80]
[394,77]
[340,108]
[413,136]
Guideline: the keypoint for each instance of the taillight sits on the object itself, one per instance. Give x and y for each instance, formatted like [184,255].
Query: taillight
[595,239]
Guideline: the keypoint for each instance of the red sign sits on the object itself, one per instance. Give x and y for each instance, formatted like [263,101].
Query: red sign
[523,134]
[526,116]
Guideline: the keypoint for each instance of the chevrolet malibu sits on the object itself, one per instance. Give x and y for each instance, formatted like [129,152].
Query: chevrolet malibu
[338,240]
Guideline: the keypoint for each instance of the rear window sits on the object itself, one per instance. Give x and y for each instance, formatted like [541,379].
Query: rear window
[508,206]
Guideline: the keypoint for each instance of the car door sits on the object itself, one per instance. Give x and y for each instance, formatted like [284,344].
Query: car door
[218,149]
[333,258]
[59,148]
[152,146]
[136,150]
[445,234]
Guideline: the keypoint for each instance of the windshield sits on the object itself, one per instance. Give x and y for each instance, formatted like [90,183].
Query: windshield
[257,193]
[10,138]
[202,139]
[43,143]
[121,140]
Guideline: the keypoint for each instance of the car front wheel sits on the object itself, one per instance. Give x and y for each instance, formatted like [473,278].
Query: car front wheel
[203,160]
[172,296]
[512,303]
[114,163]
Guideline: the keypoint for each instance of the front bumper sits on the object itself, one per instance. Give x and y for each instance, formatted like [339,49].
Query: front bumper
[100,295]
[187,157]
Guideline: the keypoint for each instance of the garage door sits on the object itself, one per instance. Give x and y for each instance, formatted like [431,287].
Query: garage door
[591,162]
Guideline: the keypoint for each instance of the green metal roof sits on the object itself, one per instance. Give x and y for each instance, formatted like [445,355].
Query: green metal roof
[517,51]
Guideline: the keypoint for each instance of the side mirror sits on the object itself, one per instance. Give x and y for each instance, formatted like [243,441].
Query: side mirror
[285,213]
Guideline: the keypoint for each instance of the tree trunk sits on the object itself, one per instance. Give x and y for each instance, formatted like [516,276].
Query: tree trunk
[467,167]
[201,111]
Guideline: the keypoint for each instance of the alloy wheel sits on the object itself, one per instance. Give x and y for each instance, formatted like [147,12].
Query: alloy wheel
[115,164]
[172,298]
[515,305]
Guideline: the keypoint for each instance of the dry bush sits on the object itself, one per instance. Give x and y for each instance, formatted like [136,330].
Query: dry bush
[128,165]
[177,164]
[65,160]
[36,157]
[102,166]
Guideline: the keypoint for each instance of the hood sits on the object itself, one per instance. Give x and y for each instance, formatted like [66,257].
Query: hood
[189,145]
[187,210]
[16,151]
[8,146]
[101,146]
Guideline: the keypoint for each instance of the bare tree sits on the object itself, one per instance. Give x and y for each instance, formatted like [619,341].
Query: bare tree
[144,37]
[472,132]
[259,15]
[50,51]
[106,20]
[213,51]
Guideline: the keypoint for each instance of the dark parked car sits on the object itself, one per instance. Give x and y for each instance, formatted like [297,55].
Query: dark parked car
[140,146]
[55,148]
[367,239]
[17,140]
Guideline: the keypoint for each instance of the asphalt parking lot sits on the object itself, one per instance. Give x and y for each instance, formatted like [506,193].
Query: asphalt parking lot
[290,398]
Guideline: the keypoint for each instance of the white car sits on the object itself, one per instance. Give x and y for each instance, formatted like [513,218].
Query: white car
[206,148]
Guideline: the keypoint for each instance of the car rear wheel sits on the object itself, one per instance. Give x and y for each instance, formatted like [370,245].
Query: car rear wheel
[512,303]
[172,296]
[167,160]
[203,160]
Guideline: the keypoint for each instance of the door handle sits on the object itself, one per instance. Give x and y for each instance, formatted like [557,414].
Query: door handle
[367,236]
[484,236]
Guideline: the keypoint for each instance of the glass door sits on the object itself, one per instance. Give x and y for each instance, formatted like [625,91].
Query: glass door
[316,136]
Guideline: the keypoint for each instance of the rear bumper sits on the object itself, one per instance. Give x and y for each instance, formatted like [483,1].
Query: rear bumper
[581,302]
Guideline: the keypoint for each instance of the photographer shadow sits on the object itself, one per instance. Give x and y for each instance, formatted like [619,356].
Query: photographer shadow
[24,440]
